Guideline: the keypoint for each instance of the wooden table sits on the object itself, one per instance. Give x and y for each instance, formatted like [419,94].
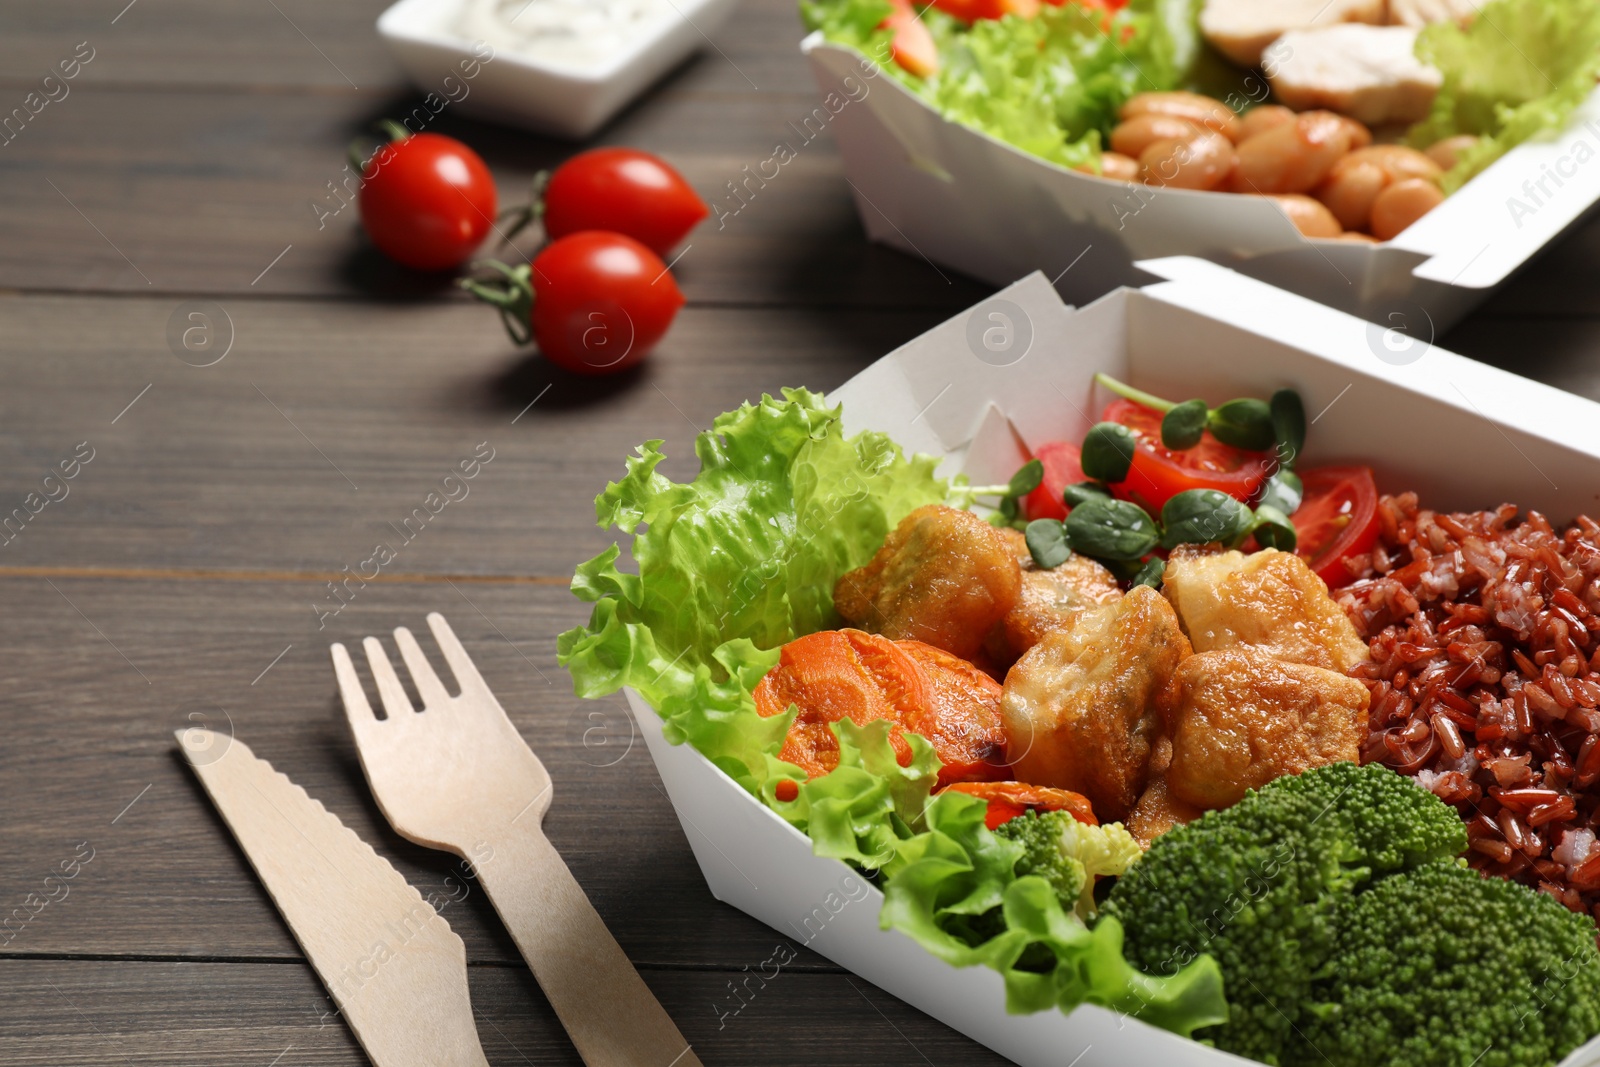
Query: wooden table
[184,577]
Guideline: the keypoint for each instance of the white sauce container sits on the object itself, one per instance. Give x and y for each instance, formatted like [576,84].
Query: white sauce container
[561,67]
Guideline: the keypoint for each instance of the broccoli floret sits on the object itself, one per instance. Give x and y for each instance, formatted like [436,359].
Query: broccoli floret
[1257,886]
[1069,854]
[1042,855]
[1442,967]
[1394,824]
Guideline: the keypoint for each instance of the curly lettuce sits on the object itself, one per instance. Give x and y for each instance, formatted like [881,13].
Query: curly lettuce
[743,559]
[734,564]
[1519,68]
[1051,85]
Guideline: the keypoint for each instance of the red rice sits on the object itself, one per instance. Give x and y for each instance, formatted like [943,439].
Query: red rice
[1485,680]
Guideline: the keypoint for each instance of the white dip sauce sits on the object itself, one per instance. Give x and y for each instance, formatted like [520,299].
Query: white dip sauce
[578,34]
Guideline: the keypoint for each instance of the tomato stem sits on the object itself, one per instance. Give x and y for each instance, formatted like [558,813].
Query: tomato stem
[1138,396]
[524,215]
[511,293]
[389,127]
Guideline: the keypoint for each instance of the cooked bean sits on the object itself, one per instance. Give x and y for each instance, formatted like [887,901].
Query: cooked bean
[1350,189]
[1360,136]
[1263,118]
[1448,151]
[1132,137]
[1118,166]
[1201,110]
[1398,161]
[1401,204]
[1308,216]
[1113,165]
[1294,157]
[1356,180]
[1201,163]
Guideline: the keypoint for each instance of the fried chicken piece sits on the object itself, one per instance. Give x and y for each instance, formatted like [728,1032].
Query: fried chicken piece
[1238,718]
[966,729]
[1080,707]
[1269,599]
[943,576]
[1049,600]
[1157,812]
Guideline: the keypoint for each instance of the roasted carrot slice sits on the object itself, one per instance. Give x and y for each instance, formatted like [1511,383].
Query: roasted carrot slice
[1007,800]
[843,674]
[967,733]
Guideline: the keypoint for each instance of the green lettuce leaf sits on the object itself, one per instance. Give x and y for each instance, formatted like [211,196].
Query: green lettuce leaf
[742,559]
[860,810]
[734,564]
[1050,85]
[955,892]
[1520,68]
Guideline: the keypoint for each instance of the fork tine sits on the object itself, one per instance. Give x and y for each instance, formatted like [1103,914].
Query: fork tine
[355,698]
[356,709]
[467,675]
[393,695]
[429,688]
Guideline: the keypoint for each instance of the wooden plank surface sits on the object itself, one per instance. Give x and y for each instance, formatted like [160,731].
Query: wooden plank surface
[130,661]
[183,577]
[69,1013]
[329,423]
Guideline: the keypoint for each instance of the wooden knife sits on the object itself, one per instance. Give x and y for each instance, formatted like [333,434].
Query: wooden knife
[396,970]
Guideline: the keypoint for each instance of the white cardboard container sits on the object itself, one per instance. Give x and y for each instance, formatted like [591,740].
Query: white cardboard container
[965,200]
[565,101]
[1016,370]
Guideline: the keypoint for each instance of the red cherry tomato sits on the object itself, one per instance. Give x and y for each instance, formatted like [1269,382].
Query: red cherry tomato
[428,201]
[601,302]
[912,46]
[1060,459]
[971,10]
[623,190]
[1337,520]
[1158,473]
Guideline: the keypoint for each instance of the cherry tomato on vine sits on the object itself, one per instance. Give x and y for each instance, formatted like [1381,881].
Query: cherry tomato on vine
[623,190]
[1337,520]
[428,200]
[594,302]
[1158,473]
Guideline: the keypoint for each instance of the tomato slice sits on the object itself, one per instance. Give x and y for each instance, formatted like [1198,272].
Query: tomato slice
[1158,473]
[1336,520]
[972,10]
[912,46]
[1061,469]
[1007,800]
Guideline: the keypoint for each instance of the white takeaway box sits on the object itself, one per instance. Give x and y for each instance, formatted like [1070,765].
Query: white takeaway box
[971,203]
[1016,370]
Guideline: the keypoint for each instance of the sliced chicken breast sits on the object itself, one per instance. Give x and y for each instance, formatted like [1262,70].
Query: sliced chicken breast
[1367,72]
[1423,12]
[1242,29]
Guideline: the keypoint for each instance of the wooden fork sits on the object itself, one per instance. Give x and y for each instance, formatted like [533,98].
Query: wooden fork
[457,776]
